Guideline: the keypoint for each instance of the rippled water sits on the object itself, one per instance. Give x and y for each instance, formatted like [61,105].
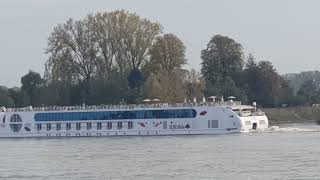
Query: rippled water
[287,152]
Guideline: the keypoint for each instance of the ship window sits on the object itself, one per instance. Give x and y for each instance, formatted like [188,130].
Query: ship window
[38,127]
[130,125]
[78,126]
[209,124]
[248,123]
[88,125]
[68,126]
[58,126]
[99,126]
[113,115]
[48,127]
[109,125]
[119,125]
[262,122]
[214,123]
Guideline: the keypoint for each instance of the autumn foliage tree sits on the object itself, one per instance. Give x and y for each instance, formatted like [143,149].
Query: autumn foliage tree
[164,70]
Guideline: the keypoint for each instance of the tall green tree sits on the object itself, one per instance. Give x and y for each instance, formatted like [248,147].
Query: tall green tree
[223,57]
[251,72]
[168,51]
[222,61]
[267,84]
[31,83]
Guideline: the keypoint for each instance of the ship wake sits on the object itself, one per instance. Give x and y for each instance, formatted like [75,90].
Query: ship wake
[290,129]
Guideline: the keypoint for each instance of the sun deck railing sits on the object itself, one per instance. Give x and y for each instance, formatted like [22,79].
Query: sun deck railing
[122,107]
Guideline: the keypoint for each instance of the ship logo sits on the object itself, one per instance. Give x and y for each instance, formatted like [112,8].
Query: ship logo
[203,113]
[156,124]
[142,124]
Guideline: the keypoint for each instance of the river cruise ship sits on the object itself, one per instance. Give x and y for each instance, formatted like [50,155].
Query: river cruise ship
[127,120]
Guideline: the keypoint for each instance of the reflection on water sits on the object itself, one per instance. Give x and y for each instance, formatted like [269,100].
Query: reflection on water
[285,152]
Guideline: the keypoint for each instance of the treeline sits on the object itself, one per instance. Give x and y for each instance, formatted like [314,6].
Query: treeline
[120,57]
[306,87]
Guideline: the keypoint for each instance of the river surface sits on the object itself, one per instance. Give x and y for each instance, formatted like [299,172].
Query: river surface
[285,152]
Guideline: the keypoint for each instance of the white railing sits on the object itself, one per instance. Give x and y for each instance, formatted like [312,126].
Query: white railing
[122,107]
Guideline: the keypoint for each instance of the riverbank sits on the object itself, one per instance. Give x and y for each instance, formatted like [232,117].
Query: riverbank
[292,115]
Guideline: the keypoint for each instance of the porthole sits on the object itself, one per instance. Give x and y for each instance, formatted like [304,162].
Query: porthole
[15,123]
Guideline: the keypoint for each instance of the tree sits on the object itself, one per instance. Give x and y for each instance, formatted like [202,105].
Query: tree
[221,58]
[5,99]
[222,61]
[251,75]
[309,93]
[31,83]
[167,86]
[296,80]
[60,68]
[153,87]
[123,39]
[136,35]
[229,88]
[166,78]
[135,79]
[92,49]
[106,37]
[285,95]
[194,85]
[15,94]
[268,84]
[73,45]
[169,52]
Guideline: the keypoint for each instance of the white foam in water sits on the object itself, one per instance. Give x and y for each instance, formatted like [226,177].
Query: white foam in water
[289,129]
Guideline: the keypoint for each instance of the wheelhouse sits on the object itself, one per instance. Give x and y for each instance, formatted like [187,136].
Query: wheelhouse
[244,111]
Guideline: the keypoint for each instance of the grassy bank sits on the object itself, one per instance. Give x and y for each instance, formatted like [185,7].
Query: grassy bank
[292,115]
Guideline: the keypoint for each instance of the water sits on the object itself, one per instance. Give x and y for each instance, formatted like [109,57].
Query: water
[286,152]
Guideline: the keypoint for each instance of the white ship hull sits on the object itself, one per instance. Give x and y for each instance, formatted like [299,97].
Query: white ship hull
[194,120]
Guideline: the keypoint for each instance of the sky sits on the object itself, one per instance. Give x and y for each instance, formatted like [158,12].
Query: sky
[285,32]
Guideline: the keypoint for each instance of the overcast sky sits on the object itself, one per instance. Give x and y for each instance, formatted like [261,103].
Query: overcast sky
[285,32]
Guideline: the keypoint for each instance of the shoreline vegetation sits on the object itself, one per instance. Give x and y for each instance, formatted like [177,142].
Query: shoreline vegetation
[293,115]
[120,57]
